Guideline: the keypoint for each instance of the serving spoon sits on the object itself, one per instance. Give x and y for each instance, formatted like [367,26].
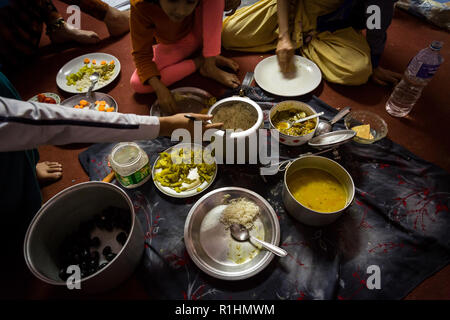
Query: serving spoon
[94,79]
[326,126]
[287,124]
[240,233]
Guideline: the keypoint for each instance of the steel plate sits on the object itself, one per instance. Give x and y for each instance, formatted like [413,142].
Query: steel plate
[211,246]
[191,100]
[332,139]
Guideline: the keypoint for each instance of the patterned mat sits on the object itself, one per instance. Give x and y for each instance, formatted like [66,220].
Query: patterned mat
[398,223]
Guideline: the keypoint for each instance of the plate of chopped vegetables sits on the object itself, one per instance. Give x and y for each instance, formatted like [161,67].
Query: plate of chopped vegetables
[184,170]
[97,101]
[74,75]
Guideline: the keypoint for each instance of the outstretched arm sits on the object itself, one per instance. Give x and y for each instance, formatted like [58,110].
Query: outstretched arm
[26,125]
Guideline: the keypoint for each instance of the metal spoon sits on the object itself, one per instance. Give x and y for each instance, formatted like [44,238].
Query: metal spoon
[240,233]
[94,79]
[289,124]
[326,126]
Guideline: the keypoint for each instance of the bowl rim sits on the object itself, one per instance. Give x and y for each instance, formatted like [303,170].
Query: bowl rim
[297,102]
[265,261]
[247,100]
[38,216]
[372,114]
[349,203]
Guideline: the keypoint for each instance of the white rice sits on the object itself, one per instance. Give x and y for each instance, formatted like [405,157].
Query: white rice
[240,211]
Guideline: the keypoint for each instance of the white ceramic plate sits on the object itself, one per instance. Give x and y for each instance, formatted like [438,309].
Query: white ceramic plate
[47,94]
[269,77]
[75,64]
[192,175]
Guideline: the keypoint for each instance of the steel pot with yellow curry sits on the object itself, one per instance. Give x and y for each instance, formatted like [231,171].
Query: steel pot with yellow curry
[317,190]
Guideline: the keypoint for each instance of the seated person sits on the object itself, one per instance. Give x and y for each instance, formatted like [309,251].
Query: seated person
[326,32]
[117,22]
[21,24]
[181,27]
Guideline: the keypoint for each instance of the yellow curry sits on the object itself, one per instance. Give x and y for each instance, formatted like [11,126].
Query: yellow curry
[317,190]
[298,129]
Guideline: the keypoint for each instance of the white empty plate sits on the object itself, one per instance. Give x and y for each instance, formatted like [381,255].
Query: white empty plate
[75,64]
[269,77]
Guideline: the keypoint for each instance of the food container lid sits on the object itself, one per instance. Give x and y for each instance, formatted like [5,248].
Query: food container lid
[125,154]
[332,139]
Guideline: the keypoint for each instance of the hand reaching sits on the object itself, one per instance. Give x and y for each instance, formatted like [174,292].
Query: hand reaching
[285,55]
[179,121]
[166,100]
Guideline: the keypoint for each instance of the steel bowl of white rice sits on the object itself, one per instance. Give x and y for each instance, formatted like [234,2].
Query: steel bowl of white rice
[208,239]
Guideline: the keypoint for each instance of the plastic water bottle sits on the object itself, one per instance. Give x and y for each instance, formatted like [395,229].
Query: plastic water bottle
[417,75]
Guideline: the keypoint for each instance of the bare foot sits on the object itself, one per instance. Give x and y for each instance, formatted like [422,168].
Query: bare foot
[68,33]
[209,69]
[48,171]
[117,22]
[221,61]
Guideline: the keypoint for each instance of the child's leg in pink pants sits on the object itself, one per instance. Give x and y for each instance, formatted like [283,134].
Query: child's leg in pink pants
[170,58]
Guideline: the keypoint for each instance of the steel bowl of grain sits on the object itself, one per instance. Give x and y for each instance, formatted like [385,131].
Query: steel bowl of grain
[289,111]
[87,236]
[317,190]
[208,239]
[242,117]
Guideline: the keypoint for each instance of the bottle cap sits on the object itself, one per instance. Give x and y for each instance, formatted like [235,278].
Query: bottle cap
[436,45]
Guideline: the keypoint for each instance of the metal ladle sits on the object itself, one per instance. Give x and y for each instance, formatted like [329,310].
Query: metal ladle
[240,233]
[288,124]
[326,126]
[94,79]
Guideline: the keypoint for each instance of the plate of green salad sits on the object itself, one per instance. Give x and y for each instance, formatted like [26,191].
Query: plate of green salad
[73,77]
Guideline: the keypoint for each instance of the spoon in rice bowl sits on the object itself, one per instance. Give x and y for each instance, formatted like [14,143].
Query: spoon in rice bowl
[240,233]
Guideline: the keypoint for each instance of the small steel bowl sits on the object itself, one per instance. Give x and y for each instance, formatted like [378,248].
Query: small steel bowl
[287,105]
[378,127]
[60,216]
[307,215]
[207,241]
[74,100]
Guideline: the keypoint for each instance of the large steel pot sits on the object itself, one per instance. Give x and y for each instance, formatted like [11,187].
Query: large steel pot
[304,214]
[61,216]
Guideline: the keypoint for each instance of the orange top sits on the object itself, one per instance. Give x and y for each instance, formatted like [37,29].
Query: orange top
[149,24]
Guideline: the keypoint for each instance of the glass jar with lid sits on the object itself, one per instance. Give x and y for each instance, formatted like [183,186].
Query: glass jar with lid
[130,164]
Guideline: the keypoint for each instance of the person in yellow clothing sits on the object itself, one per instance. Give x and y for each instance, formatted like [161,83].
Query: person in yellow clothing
[327,32]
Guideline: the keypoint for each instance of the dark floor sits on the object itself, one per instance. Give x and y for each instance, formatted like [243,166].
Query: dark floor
[424,131]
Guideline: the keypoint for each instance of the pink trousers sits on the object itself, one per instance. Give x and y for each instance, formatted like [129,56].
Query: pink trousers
[172,59]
